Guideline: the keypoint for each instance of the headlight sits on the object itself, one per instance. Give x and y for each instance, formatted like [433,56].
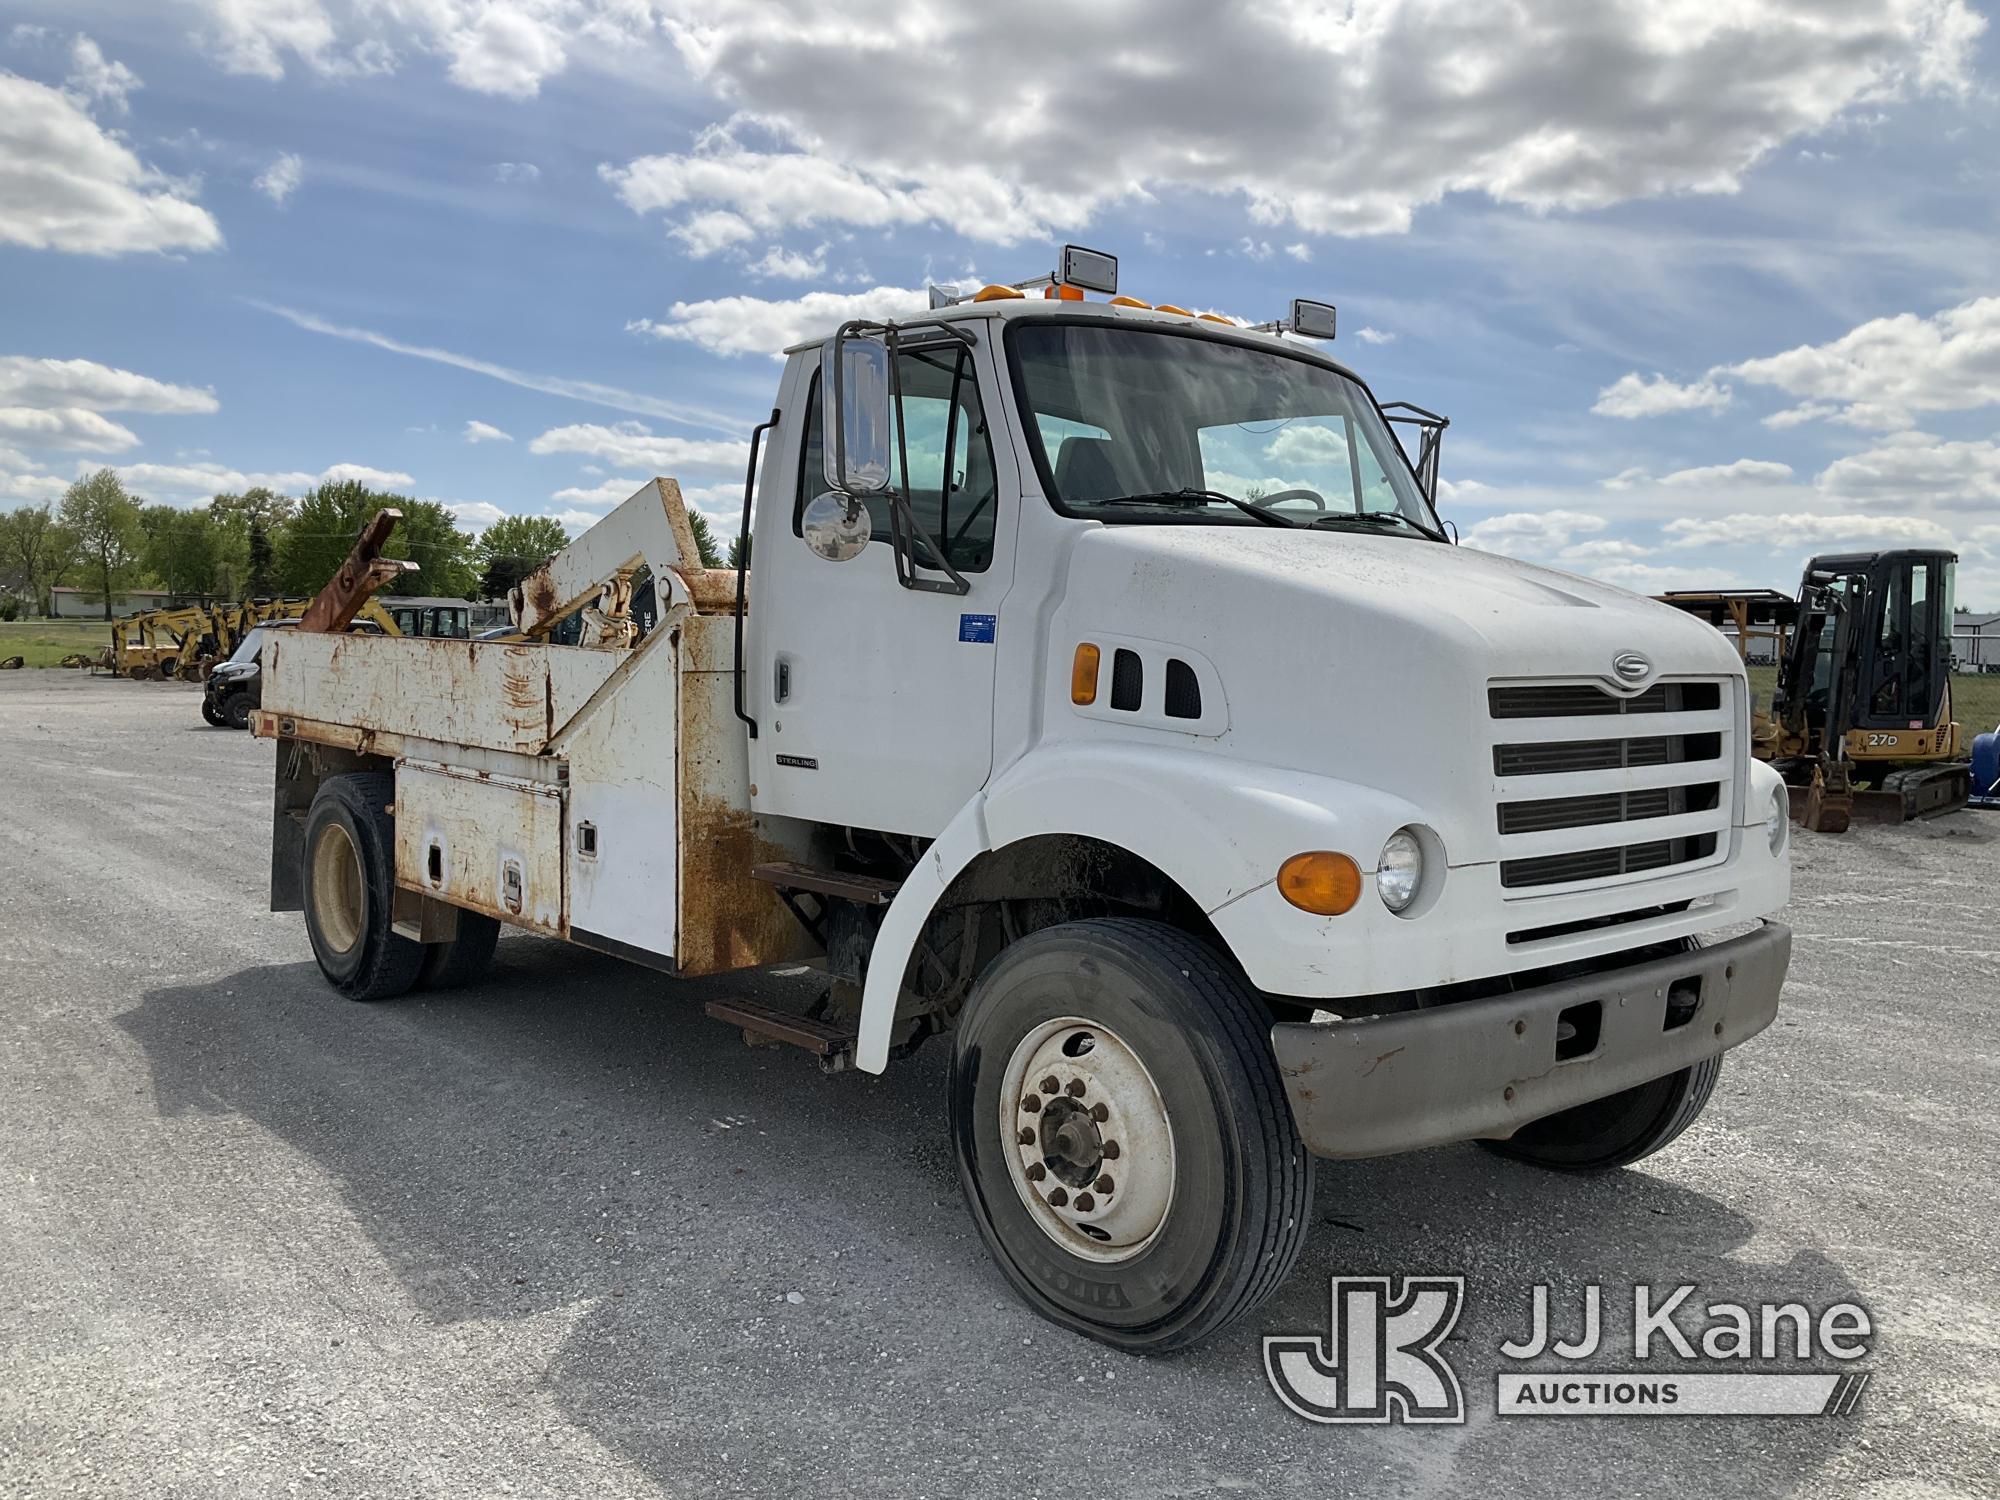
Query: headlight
[1780,827]
[1400,870]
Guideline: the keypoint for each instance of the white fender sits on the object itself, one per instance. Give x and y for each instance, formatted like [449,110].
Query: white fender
[1217,827]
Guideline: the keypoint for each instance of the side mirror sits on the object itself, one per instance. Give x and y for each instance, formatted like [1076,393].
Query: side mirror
[855,402]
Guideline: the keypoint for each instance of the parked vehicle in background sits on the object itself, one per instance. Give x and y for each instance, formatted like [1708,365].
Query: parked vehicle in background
[235,687]
[1110,699]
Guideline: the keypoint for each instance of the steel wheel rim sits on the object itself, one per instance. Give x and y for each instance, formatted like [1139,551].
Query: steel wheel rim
[340,899]
[1087,1140]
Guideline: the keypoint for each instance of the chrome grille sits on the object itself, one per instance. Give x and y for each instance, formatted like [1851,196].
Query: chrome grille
[1596,789]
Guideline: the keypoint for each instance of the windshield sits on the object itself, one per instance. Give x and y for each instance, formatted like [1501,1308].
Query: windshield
[250,645]
[1137,424]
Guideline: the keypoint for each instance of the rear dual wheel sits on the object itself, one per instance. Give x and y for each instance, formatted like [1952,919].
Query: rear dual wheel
[1123,1137]
[350,886]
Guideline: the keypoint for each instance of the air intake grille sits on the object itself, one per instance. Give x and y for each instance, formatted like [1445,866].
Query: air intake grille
[1598,792]
[1183,690]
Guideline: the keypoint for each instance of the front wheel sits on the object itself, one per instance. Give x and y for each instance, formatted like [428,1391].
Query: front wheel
[210,713]
[1123,1137]
[236,709]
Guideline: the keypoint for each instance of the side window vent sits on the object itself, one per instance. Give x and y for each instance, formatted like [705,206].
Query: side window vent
[1128,681]
[1183,691]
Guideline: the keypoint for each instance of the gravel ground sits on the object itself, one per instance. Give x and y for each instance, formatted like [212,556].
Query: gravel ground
[559,1235]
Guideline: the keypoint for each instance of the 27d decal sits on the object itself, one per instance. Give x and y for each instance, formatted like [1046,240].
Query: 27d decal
[1380,1360]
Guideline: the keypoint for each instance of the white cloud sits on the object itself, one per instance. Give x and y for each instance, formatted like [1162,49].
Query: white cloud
[375,479]
[22,484]
[506,48]
[1795,416]
[203,479]
[84,383]
[1625,479]
[67,184]
[1374,336]
[632,445]
[478,513]
[516,171]
[1299,251]
[550,385]
[1743,471]
[97,77]
[706,233]
[598,496]
[756,325]
[789,265]
[71,429]
[1913,467]
[282,178]
[1603,549]
[485,432]
[1531,533]
[1883,372]
[1635,396]
[1789,532]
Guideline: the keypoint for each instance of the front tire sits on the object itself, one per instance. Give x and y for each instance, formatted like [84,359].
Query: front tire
[350,881]
[1615,1131]
[1619,1129]
[236,710]
[209,712]
[1159,1191]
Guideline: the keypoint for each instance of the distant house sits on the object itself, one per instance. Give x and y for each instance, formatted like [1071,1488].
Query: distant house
[1975,642]
[88,604]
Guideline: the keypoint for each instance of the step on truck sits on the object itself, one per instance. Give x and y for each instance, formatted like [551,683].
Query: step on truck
[1102,696]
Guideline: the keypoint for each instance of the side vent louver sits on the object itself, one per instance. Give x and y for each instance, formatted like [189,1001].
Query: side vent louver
[1128,681]
[1183,691]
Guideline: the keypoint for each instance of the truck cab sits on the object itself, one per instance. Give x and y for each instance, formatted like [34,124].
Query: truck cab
[1108,697]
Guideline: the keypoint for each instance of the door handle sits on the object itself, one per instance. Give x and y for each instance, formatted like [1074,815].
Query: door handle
[782,687]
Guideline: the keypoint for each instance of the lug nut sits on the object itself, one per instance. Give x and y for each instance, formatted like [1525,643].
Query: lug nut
[1076,1089]
[1027,1136]
[1049,1084]
[1036,1171]
[1100,1113]
[1111,1151]
[1104,1185]
[1085,1203]
[1058,1198]
[1032,1103]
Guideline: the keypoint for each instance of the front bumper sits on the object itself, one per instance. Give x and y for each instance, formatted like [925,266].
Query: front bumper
[1382,1084]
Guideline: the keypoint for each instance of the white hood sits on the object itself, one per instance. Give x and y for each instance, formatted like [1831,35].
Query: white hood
[1368,657]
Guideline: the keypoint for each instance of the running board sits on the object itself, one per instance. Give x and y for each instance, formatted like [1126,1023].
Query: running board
[863,890]
[767,1025]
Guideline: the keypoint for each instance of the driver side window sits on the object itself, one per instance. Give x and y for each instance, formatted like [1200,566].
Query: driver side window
[950,481]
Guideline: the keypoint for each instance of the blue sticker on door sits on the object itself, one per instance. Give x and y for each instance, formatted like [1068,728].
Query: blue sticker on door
[977,628]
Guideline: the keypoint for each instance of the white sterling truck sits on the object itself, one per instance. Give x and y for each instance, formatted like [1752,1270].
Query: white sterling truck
[1103,693]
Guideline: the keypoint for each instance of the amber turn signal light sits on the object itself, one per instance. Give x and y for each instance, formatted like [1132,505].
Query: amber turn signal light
[1083,675]
[1320,881]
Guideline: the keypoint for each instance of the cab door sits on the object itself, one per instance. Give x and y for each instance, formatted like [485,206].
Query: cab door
[874,701]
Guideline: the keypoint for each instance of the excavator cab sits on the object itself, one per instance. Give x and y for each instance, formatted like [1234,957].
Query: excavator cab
[1864,687]
[1864,684]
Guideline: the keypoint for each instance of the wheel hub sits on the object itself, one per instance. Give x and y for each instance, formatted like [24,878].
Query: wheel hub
[1088,1143]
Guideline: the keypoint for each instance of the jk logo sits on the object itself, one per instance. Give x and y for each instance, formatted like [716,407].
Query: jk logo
[1380,1360]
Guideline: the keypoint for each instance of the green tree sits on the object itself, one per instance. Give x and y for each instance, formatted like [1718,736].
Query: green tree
[739,552]
[36,551]
[704,539]
[249,525]
[105,521]
[329,517]
[182,550]
[513,547]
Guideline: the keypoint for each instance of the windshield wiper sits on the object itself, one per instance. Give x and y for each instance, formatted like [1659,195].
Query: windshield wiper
[1191,496]
[1374,518]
